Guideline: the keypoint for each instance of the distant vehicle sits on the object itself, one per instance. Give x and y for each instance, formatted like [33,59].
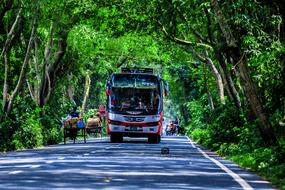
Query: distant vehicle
[135,104]
[170,129]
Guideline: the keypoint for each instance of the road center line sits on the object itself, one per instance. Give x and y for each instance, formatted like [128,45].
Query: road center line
[235,176]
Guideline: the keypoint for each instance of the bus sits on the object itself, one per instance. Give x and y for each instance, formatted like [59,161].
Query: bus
[135,104]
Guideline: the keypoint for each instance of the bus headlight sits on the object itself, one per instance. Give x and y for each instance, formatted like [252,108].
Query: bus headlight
[114,122]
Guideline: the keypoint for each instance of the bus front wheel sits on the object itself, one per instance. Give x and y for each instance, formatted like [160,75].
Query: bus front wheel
[154,139]
[116,138]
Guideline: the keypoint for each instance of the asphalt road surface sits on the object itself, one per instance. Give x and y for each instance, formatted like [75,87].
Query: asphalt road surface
[134,164]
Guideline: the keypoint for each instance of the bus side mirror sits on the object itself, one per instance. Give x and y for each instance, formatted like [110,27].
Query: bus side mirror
[166,88]
[108,88]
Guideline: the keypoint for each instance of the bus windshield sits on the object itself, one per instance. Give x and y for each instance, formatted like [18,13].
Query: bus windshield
[135,93]
[135,81]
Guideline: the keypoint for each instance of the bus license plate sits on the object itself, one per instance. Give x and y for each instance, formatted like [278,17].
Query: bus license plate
[135,128]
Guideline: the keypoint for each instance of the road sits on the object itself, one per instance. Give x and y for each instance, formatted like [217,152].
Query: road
[134,164]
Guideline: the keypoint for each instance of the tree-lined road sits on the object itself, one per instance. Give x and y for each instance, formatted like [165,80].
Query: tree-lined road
[134,164]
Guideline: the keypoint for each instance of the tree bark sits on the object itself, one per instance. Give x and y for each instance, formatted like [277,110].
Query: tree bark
[256,104]
[37,70]
[210,98]
[23,71]
[11,33]
[51,69]
[231,41]
[7,5]
[6,86]
[206,60]
[246,81]
[70,88]
[86,93]
[218,78]
[229,82]
[11,37]
[44,78]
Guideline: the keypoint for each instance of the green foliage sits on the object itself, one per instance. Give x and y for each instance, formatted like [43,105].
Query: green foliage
[29,133]
[89,113]
[197,114]
[216,128]
[52,116]
[225,124]
[266,161]
[52,130]
[275,174]
[6,133]
[201,136]
[259,159]
[103,36]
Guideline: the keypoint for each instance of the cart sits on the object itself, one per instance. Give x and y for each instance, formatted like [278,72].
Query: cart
[94,127]
[74,127]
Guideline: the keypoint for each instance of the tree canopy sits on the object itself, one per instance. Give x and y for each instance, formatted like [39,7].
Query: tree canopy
[223,60]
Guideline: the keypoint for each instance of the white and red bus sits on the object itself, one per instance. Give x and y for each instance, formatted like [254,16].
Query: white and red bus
[135,104]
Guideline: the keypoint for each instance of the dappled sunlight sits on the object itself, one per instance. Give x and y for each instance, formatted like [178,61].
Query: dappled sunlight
[116,166]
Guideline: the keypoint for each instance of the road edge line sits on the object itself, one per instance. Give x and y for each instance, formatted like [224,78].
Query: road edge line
[235,176]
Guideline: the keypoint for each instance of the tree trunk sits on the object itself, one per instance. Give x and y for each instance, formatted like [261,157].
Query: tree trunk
[86,93]
[206,60]
[44,78]
[226,85]
[70,88]
[22,73]
[11,33]
[6,7]
[50,69]
[229,82]
[247,83]
[210,98]
[6,86]
[256,104]
[5,55]
[218,78]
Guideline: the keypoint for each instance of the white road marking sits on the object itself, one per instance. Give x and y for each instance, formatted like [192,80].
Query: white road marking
[60,158]
[15,172]
[235,176]
[86,154]
[35,166]
[191,142]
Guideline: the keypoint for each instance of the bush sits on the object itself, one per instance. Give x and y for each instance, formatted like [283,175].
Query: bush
[226,124]
[229,149]
[29,133]
[52,130]
[200,135]
[6,133]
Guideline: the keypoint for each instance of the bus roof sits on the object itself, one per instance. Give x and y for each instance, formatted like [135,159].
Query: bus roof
[137,70]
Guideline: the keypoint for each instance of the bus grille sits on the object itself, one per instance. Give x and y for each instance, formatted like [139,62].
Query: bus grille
[134,119]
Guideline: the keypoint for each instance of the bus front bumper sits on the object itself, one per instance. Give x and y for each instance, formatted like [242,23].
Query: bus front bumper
[133,129]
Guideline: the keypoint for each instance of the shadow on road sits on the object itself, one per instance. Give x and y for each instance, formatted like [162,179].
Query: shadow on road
[134,164]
